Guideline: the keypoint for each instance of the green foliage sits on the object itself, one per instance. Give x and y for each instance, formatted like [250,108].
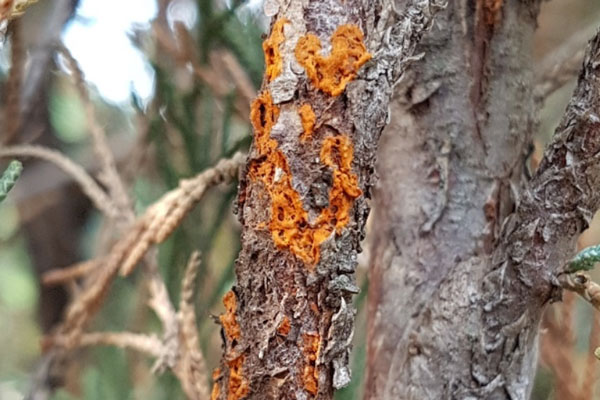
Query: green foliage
[585,260]
[9,178]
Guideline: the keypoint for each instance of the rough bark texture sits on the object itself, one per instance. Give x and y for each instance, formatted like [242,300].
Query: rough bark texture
[465,255]
[302,199]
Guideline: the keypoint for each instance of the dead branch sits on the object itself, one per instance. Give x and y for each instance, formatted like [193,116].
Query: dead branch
[558,75]
[556,347]
[581,284]
[590,373]
[88,185]
[147,344]
[562,65]
[540,237]
[182,50]
[63,275]
[239,76]
[179,347]
[109,174]
[193,366]
[562,196]
[161,219]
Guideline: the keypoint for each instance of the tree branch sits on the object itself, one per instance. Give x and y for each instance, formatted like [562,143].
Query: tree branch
[540,237]
[581,284]
[87,184]
[330,73]
[563,195]
[562,65]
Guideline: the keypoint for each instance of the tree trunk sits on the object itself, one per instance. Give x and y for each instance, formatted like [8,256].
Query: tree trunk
[466,251]
[302,199]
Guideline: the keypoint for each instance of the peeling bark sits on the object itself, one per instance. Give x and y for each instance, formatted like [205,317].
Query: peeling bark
[467,251]
[331,67]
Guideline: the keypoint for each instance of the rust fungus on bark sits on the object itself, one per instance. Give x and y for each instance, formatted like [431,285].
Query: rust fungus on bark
[289,224]
[337,153]
[273,60]
[491,11]
[238,387]
[332,73]
[308,118]
[284,327]
[216,390]
[230,325]
[310,347]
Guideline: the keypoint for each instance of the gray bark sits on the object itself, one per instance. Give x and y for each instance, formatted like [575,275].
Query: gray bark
[466,251]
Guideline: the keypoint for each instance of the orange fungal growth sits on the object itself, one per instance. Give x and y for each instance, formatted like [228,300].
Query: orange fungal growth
[332,73]
[238,385]
[337,153]
[263,115]
[273,60]
[308,118]
[216,390]
[284,327]
[311,348]
[230,325]
[289,224]
[491,10]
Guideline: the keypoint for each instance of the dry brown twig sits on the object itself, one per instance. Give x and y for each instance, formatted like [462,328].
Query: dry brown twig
[556,346]
[563,64]
[157,223]
[581,284]
[192,366]
[153,227]
[178,349]
[239,76]
[589,290]
[64,275]
[181,48]
[109,174]
[558,75]
[147,344]
[590,373]
[88,185]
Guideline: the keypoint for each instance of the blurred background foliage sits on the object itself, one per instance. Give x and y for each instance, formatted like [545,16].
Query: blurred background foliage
[204,59]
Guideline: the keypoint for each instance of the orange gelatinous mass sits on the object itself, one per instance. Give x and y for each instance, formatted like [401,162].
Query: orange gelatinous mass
[273,60]
[492,11]
[216,390]
[289,223]
[238,385]
[332,73]
[228,321]
[284,327]
[308,118]
[310,376]
[337,153]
